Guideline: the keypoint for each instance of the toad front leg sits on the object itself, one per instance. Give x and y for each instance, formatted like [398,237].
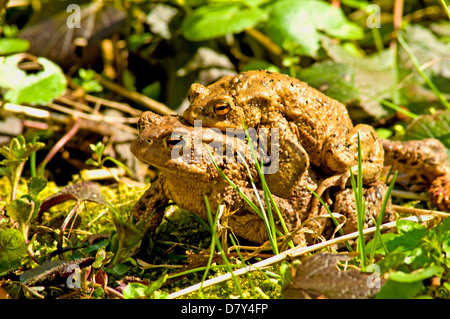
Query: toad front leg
[150,207]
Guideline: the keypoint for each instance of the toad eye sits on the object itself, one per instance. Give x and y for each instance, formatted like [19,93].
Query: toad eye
[222,108]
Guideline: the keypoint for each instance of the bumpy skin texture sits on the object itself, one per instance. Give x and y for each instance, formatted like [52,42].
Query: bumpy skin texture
[186,183]
[418,162]
[308,118]
[373,196]
[421,165]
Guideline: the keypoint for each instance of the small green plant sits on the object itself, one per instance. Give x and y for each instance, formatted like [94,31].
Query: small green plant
[413,255]
[87,80]
[99,149]
[216,242]
[357,187]
[137,290]
[21,210]
[379,221]
[15,156]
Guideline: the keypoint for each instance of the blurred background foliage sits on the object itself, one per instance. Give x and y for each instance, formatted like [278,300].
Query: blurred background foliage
[348,49]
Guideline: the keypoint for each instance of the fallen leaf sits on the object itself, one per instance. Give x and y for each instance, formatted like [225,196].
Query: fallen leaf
[52,269]
[84,191]
[318,276]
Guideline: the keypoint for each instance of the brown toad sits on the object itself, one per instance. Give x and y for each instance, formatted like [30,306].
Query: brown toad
[307,119]
[187,176]
[163,142]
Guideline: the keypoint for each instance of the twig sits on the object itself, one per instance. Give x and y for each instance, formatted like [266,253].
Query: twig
[113,120]
[34,112]
[75,104]
[94,117]
[137,97]
[398,13]
[116,105]
[271,46]
[86,119]
[59,145]
[419,211]
[292,253]
[408,195]
[102,173]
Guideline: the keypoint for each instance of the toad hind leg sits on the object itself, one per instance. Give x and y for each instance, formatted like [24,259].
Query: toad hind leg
[340,153]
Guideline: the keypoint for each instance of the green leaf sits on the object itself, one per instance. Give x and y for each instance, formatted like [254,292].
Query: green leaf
[301,22]
[334,79]
[101,257]
[156,285]
[18,150]
[21,210]
[13,45]
[418,275]
[12,250]
[426,47]
[292,28]
[36,185]
[384,238]
[39,88]
[393,260]
[399,290]
[134,290]
[119,270]
[209,22]
[410,234]
[128,237]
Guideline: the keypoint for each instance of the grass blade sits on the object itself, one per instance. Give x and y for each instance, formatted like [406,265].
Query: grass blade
[360,206]
[341,232]
[268,197]
[213,225]
[380,218]
[422,74]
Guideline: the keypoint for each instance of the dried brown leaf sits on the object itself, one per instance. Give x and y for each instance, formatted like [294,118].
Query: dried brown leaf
[84,191]
[319,276]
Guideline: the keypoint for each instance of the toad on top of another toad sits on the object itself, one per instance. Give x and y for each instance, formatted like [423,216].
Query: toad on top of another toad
[163,141]
[306,117]
[167,143]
